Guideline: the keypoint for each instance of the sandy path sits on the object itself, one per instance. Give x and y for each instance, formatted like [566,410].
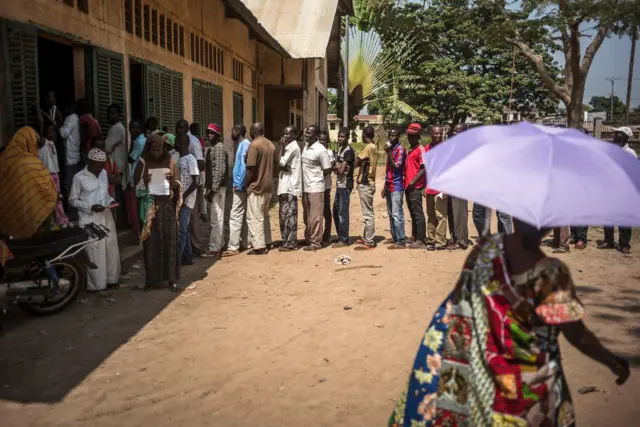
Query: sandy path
[265,341]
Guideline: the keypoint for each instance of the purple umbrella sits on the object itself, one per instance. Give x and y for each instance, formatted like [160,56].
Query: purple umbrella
[548,177]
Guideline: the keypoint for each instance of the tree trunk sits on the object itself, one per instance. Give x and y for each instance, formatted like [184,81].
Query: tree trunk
[575,108]
[632,57]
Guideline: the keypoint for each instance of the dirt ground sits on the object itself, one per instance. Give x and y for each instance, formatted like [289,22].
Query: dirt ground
[266,341]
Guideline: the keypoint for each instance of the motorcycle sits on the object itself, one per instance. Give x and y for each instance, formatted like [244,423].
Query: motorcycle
[46,271]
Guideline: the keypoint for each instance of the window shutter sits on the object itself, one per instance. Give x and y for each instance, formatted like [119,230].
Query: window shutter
[254,110]
[109,84]
[153,93]
[197,89]
[177,97]
[22,66]
[238,109]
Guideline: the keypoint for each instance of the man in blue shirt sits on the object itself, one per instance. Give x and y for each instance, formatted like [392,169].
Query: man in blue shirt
[237,223]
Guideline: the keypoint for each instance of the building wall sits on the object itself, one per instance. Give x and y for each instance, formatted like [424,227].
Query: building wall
[104,26]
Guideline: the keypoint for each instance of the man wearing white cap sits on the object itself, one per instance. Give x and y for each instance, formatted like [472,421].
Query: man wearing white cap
[620,137]
[90,196]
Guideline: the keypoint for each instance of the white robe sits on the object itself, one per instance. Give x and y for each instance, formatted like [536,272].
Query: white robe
[88,190]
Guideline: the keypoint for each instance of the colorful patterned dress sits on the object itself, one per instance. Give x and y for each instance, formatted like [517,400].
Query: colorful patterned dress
[490,356]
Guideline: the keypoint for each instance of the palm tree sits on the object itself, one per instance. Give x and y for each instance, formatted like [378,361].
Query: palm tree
[372,73]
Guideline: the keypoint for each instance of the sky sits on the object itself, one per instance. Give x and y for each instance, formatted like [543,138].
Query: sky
[612,60]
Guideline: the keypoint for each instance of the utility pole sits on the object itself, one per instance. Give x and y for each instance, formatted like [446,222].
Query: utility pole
[345,118]
[613,82]
[632,57]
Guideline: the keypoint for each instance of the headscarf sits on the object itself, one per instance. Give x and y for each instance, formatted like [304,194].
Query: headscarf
[169,139]
[29,194]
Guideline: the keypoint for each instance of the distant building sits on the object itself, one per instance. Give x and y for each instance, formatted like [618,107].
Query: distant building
[334,123]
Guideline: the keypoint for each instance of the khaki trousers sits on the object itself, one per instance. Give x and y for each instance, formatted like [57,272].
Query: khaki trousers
[258,220]
[313,215]
[437,220]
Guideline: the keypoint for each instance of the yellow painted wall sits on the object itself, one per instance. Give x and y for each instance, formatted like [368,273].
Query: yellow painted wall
[104,26]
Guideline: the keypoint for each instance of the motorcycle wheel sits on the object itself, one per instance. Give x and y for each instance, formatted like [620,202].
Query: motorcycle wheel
[71,277]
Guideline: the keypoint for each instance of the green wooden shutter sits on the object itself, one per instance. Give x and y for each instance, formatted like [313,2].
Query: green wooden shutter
[108,84]
[153,92]
[21,70]
[177,96]
[198,107]
[165,96]
[238,109]
[215,102]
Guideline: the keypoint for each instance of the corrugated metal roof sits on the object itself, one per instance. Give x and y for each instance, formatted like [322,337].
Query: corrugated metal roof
[302,27]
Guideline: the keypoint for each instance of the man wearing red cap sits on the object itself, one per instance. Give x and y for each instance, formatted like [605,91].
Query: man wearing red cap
[414,183]
[214,189]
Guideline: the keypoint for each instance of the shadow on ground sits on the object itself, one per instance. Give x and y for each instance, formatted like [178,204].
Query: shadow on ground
[43,358]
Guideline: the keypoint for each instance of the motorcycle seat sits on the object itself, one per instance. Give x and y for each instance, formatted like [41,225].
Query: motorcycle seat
[47,244]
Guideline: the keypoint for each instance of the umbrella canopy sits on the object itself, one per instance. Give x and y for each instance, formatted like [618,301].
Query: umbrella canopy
[548,177]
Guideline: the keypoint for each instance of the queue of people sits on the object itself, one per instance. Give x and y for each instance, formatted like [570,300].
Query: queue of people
[171,190]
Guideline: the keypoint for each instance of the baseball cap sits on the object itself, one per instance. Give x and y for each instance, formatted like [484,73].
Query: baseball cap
[414,129]
[214,127]
[624,129]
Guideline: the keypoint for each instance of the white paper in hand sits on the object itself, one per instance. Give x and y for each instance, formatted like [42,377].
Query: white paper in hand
[159,185]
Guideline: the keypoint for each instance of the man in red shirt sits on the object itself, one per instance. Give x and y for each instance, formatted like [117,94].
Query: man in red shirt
[414,183]
[436,205]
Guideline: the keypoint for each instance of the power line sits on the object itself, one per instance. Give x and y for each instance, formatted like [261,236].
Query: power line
[613,83]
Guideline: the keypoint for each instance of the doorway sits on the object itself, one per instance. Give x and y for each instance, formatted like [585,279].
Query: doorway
[55,72]
[136,82]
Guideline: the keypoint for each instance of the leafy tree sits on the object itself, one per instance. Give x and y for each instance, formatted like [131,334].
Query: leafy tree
[455,73]
[525,24]
[603,103]
[332,101]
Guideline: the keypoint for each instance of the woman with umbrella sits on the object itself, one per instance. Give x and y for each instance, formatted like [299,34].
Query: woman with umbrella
[490,356]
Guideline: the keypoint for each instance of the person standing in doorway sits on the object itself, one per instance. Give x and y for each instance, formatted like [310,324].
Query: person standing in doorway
[73,162]
[189,175]
[198,224]
[393,189]
[326,235]
[116,149]
[367,161]
[414,184]
[259,184]
[621,138]
[49,157]
[345,165]
[458,212]
[90,196]
[214,188]
[289,188]
[436,204]
[315,166]
[237,216]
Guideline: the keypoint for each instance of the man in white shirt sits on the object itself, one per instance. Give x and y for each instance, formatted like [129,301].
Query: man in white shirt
[90,196]
[189,174]
[315,166]
[116,149]
[289,188]
[198,226]
[73,163]
[326,235]
[621,138]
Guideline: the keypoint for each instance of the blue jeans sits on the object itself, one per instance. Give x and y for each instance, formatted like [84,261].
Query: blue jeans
[341,213]
[184,241]
[396,216]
